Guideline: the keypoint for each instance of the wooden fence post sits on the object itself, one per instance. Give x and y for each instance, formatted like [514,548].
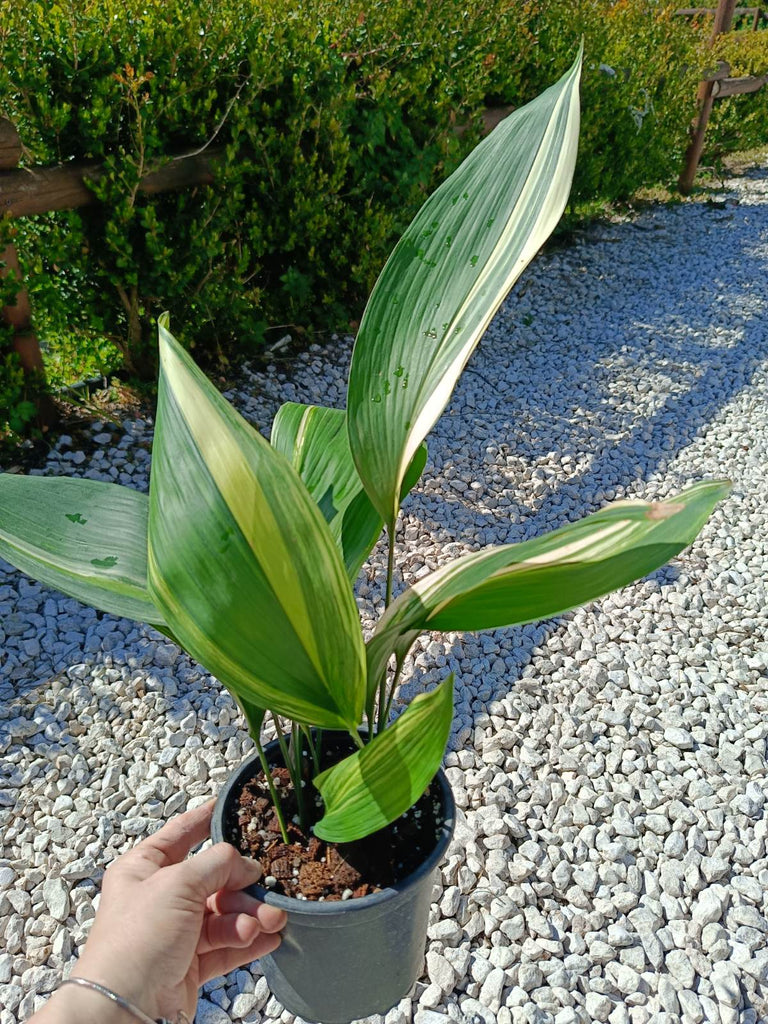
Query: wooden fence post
[19,315]
[704,99]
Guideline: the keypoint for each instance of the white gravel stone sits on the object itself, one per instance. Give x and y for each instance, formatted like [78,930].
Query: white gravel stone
[690,1005]
[430,1017]
[710,905]
[210,1013]
[679,966]
[56,896]
[598,1006]
[725,982]
[440,972]
[491,989]
[679,738]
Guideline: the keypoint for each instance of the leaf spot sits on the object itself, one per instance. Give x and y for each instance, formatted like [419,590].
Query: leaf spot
[75,517]
[663,509]
[104,563]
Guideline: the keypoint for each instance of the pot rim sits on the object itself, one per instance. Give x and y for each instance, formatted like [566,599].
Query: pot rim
[312,908]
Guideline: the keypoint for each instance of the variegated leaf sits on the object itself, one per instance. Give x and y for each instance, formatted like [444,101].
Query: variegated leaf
[516,583]
[375,785]
[315,439]
[447,277]
[85,538]
[241,561]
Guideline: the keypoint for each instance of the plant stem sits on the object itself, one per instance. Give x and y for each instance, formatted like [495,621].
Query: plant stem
[283,745]
[272,789]
[298,778]
[384,718]
[314,749]
[382,701]
[382,687]
[356,737]
[390,561]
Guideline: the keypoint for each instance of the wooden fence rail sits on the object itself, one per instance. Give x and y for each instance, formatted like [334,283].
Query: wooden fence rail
[715,87]
[29,190]
[25,191]
[738,12]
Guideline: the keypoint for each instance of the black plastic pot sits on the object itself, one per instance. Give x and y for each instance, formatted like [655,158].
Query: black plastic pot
[343,960]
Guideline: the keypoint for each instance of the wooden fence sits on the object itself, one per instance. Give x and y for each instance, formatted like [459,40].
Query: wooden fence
[30,190]
[717,85]
[25,191]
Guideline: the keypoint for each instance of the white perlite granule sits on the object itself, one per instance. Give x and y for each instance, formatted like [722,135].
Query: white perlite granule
[609,767]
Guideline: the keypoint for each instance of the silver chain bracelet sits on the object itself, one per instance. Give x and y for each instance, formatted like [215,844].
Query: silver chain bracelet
[124,1004]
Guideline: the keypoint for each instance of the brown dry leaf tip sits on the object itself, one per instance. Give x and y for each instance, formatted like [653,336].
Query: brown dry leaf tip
[663,509]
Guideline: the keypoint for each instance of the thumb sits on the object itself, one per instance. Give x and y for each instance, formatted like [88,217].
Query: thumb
[219,867]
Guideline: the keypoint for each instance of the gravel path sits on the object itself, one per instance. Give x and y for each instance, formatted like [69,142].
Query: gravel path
[610,860]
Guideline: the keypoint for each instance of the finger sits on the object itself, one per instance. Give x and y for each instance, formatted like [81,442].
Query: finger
[218,867]
[224,902]
[222,961]
[270,918]
[227,930]
[172,843]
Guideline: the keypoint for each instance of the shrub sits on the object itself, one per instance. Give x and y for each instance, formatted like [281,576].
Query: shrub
[333,122]
[740,122]
[641,71]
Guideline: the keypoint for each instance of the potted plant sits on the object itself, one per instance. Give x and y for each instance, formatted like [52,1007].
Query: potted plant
[245,553]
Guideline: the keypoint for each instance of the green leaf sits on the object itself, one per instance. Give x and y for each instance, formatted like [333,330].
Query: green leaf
[516,583]
[253,714]
[377,784]
[315,440]
[82,537]
[447,277]
[241,561]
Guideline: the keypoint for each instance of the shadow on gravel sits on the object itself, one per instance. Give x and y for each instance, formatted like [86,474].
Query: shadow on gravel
[658,335]
[691,339]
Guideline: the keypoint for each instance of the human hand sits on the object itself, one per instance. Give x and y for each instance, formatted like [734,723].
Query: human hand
[167,924]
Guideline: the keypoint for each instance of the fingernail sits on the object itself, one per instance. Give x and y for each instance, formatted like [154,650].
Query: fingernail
[256,867]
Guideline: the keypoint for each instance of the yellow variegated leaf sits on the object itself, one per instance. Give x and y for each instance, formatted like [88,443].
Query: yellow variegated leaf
[241,561]
[315,440]
[377,784]
[516,583]
[447,277]
[85,538]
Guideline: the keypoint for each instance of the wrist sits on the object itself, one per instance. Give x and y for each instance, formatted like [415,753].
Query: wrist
[74,1004]
[123,981]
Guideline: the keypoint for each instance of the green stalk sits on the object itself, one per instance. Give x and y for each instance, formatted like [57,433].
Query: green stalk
[298,779]
[382,701]
[390,562]
[281,740]
[387,706]
[312,747]
[382,687]
[356,737]
[272,789]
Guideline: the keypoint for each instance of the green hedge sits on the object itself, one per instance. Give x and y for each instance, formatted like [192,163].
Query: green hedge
[740,122]
[335,120]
